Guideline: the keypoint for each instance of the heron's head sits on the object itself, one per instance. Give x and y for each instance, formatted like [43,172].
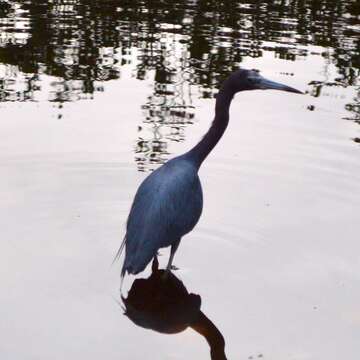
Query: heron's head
[244,79]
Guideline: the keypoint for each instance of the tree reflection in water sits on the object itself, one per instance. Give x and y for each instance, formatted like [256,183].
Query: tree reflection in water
[167,307]
[84,44]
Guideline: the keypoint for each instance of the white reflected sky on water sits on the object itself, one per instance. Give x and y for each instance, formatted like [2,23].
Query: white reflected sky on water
[275,256]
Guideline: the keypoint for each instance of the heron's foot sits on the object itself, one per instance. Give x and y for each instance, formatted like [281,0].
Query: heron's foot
[173,267]
[165,275]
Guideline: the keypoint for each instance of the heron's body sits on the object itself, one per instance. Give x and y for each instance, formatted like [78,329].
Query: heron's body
[167,206]
[168,203]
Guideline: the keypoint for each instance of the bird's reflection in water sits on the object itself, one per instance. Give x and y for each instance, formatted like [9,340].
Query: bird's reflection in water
[165,306]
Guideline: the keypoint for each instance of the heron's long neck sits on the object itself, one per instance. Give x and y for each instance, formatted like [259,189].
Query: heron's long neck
[200,151]
[212,335]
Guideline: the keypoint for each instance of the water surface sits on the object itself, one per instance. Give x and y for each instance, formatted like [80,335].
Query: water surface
[95,94]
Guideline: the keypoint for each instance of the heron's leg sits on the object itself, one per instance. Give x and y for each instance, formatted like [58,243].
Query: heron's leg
[172,254]
[155,264]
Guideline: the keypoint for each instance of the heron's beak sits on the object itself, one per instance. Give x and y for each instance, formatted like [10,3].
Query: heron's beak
[266,84]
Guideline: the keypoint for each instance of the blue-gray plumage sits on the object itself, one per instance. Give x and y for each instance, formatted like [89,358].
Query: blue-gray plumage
[169,201]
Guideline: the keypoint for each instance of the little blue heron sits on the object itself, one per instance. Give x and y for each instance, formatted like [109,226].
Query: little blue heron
[169,202]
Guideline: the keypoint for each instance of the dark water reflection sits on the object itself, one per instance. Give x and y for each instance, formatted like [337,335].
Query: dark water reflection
[84,44]
[167,307]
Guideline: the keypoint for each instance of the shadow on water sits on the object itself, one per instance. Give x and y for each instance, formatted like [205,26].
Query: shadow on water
[83,44]
[167,307]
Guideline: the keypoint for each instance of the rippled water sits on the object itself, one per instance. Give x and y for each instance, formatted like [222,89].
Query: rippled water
[95,94]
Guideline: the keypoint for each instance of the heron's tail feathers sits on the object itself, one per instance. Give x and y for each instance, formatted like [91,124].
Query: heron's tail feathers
[122,275]
[118,253]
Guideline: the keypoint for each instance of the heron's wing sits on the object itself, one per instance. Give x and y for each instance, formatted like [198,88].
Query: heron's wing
[167,205]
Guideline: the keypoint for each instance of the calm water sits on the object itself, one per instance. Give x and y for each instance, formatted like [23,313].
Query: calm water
[95,94]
